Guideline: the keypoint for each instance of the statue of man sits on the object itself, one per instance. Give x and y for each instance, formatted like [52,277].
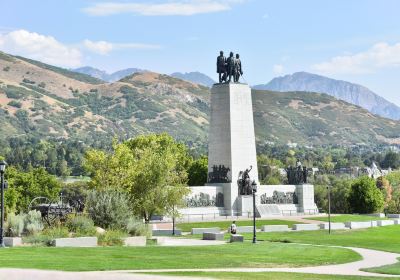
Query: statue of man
[238,69]
[230,65]
[246,180]
[221,67]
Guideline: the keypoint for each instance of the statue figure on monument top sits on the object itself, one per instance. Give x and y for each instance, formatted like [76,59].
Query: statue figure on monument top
[221,67]
[238,69]
[230,66]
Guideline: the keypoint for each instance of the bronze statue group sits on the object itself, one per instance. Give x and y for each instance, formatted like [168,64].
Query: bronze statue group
[244,182]
[229,67]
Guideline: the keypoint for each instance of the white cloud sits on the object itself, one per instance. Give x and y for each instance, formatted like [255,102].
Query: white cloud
[40,47]
[104,47]
[177,8]
[381,55]
[100,47]
[278,69]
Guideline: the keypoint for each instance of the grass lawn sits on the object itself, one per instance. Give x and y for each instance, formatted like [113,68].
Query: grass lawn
[269,276]
[347,218]
[264,254]
[223,225]
[387,269]
[380,238]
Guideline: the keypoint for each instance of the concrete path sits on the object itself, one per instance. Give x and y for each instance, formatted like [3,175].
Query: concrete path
[371,258]
[33,274]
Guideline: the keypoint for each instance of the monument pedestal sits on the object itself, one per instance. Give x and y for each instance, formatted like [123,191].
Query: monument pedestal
[231,137]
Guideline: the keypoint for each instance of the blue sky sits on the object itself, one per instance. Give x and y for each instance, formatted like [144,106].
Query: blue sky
[357,40]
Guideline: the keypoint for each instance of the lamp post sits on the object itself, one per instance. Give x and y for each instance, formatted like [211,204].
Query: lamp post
[329,208]
[254,190]
[173,219]
[2,183]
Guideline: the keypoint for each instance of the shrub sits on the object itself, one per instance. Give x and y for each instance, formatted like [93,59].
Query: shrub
[52,233]
[15,104]
[6,69]
[111,238]
[81,226]
[33,222]
[42,85]
[14,225]
[365,197]
[47,236]
[108,208]
[136,227]
[27,81]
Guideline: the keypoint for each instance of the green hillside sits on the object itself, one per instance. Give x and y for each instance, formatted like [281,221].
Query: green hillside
[42,101]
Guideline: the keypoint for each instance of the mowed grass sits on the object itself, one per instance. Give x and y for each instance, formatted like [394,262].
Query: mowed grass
[270,276]
[386,269]
[380,238]
[264,254]
[224,225]
[347,218]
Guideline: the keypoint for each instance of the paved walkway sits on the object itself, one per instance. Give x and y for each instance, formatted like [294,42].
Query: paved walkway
[33,274]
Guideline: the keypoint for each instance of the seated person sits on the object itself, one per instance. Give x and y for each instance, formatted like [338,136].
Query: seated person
[232,228]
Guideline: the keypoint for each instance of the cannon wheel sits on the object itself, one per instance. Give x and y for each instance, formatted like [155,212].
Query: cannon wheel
[54,213]
[40,200]
[44,205]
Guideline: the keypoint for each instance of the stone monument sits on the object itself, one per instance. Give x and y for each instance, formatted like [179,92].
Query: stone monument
[232,161]
[231,140]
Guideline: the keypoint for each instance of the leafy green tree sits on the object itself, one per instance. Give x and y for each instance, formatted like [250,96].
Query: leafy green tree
[384,186]
[391,160]
[161,178]
[25,186]
[340,192]
[394,179]
[198,171]
[150,168]
[365,197]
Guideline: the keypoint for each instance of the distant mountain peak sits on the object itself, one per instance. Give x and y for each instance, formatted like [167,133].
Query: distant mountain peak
[195,77]
[350,92]
[108,77]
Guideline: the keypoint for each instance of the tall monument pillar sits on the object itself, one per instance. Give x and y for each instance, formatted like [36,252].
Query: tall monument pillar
[231,141]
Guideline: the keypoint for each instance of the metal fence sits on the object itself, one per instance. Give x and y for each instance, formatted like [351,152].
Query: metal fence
[238,215]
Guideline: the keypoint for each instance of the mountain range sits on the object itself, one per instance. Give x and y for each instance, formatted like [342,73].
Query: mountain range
[103,75]
[43,101]
[352,93]
[299,81]
[195,77]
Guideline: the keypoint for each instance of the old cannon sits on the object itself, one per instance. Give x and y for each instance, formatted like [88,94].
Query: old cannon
[55,211]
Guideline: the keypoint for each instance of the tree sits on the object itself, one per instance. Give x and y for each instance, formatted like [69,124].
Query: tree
[25,186]
[161,178]
[391,160]
[198,171]
[340,192]
[384,186]
[365,197]
[150,168]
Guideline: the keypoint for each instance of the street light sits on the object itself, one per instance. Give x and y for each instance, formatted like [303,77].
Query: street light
[254,190]
[173,219]
[2,183]
[329,208]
